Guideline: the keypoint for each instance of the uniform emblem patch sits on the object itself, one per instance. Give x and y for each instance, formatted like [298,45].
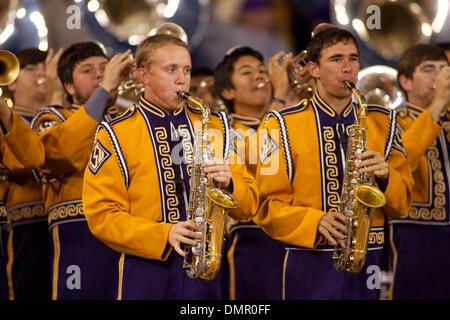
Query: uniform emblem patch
[99,155]
[268,146]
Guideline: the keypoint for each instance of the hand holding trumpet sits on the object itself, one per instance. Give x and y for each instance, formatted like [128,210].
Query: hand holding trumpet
[116,70]
[441,99]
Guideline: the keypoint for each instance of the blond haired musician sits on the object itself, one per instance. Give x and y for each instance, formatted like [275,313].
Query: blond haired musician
[300,200]
[137,183]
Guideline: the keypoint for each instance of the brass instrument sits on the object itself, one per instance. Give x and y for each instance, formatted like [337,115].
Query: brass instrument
[389,27]
[9,67]
[9,71]
[378,84]
[300,82]
[296,79]
[359,198]
[208,205]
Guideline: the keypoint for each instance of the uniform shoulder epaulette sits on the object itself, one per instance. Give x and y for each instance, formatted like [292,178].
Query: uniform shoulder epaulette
[127,113]
[294,109]
[284,140]
[107,126]
[53,110]
[393,140]
[379,108]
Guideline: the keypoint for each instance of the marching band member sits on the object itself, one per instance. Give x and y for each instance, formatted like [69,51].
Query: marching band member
[301,169]
[242,81]
[28,244]
[137,182]
[82,266]
[419,239]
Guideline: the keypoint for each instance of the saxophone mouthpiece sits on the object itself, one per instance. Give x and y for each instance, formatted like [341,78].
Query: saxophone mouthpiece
[350,85]
[182,95]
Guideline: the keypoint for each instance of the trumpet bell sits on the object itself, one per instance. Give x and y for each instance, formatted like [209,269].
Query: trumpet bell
[9,67]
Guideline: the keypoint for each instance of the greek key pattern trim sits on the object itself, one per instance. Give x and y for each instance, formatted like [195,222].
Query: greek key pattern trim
[332,170]
[65,210]
[375,238]
[438,187]
[173,213]
[25,211]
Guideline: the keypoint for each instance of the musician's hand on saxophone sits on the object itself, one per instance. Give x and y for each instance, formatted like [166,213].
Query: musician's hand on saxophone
[372,162]
[333,226]
[220,171]
[184,232]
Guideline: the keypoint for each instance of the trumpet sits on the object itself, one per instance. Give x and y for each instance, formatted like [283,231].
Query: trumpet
[131,85]
[9,67]
[9,71]
[299,80]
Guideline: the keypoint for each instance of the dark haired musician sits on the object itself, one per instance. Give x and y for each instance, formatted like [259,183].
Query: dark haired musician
[82,266]
[137,184]
[28,245]
[420,241]
[20,150]
[300,196]
[243,83]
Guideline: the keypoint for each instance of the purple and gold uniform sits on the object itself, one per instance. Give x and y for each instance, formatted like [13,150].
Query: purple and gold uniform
[20,149]
[15,146]
[300,179]
[28,242]
[82,266]
[136,188]
[252,255]
[3,241]
[420,240]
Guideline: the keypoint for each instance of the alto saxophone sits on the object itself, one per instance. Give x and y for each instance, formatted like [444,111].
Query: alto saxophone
[359,198]
[208,205]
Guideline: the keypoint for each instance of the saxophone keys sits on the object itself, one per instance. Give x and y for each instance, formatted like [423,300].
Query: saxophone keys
[196,251]
[198,220]
[199,212]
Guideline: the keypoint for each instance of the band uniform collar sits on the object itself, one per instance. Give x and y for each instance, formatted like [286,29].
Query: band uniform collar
[328,109]
[144,103]
[245,120]
[413,109]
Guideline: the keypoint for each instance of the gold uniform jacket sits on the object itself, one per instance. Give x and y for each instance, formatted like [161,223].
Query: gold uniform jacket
[129,191]
[67,136]
[427,146]
[20,148]
[300,170]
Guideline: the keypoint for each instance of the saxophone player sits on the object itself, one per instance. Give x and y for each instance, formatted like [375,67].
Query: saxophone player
[137,183]
[419,241]
[300,200]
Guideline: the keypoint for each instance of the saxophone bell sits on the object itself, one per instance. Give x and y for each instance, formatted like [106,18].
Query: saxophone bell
[208,205]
